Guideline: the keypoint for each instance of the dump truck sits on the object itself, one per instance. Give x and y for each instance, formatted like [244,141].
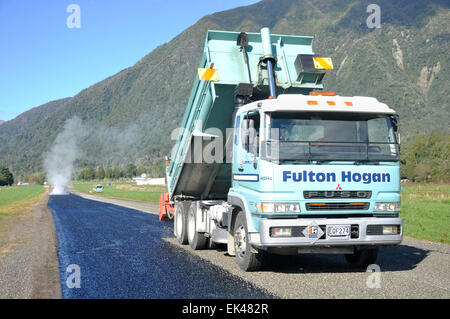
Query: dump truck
[266,162]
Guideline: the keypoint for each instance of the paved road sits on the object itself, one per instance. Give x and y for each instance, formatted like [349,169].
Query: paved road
[120,254]
[127,253]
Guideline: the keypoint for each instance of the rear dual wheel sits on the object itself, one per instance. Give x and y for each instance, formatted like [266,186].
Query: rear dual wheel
[196,240]
[180,224]
[185,226]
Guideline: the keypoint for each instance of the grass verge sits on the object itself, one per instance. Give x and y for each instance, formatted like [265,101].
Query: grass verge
[124,190]
[15,202]
[426,211]
[16,199]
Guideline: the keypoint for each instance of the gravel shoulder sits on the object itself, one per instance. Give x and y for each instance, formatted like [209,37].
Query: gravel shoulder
[28,255]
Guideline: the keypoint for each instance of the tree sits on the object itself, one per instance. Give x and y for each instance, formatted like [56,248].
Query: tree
[90,173]
[109,173]
[116,173]
[86,174]
[426,158]
[158,169]
[141,170]
[35,178]
[100,173]
[130,170]
[6,177]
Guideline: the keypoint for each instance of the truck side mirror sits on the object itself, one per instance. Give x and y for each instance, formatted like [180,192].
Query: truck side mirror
[395,119]
[395,122]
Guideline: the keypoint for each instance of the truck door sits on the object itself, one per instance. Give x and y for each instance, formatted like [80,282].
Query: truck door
[246,151]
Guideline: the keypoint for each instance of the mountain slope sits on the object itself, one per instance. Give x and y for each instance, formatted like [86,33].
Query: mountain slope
[23,139]
[404,64]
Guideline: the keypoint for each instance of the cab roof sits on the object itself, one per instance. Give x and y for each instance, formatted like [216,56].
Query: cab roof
[320,103]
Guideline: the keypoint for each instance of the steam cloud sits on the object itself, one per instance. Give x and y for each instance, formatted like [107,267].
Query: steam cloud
[59,162]
[108,146]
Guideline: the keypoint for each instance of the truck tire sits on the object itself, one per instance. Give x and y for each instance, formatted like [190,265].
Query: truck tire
[246,258]
[180,224]
[362,257]
[196,240]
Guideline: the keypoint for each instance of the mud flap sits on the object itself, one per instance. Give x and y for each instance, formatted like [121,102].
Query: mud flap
[166,210]
[230,244]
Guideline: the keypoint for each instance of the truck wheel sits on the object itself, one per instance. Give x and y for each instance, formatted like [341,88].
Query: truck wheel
[180,223]
[196,240]
[245,257]
[362,257]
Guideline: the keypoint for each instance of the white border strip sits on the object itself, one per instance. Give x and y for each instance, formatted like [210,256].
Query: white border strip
[246,177]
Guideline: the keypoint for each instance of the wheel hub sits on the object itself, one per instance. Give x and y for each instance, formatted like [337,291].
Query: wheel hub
[240,243]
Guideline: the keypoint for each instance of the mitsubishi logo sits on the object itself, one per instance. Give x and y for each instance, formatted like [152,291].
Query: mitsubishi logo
[339,187]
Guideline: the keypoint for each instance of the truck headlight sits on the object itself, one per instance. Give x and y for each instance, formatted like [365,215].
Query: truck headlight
[391,230]
[387,207]
[280,207]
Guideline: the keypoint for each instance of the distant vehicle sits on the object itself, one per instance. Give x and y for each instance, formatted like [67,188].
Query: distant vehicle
[23,184]
[98,189]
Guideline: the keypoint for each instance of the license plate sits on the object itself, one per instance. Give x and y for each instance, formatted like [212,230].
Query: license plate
[338,231]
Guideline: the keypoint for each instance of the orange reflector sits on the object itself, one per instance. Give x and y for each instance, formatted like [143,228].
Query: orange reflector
[313,103]
[323,63]
[322,93]
[317,204]
[208,74]
[348,103]
[270,97]
[331,103]
[356,204]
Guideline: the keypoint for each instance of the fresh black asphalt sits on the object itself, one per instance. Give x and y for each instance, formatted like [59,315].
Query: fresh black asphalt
[120,254]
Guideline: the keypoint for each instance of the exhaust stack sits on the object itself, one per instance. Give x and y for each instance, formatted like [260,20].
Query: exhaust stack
[269,59]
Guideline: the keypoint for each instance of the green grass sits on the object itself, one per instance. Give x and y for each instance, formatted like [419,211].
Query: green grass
[426,211]
[14,199]
[125,190]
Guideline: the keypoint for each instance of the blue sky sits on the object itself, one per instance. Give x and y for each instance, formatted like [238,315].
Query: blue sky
[41,59]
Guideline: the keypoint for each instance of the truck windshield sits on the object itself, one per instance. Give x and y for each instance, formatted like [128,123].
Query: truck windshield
[330,136]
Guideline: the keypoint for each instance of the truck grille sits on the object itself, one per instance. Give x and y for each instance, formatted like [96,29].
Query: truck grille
[337,206]
[337,194]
